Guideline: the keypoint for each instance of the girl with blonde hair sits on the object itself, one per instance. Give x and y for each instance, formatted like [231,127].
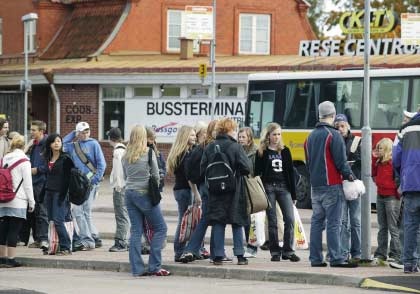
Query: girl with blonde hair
[387,201]
[13,213]
[275,166]
[137,173]
[183,189]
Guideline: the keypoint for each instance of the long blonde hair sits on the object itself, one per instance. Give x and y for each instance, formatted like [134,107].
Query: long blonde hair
[265,138]
[179,147]
[386,144]
[137,145]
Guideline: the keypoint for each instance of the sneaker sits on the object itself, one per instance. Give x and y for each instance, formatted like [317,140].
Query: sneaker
[186,258]
[410,268]
[322,264]
[80,247]
[34,245]
[145,251]
[379,261]
[161,273]
[345,265]
[98,243]
[205,254]
[119,248]
[63,253]
[293,257]
[11,262]
[218,261]
[250,253]
[275,258]
[265,246]
[227,259]
[397,265]
[242,260]
[44,245]
[3,261]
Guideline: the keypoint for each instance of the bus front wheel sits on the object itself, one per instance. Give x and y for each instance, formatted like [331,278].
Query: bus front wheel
[303,189]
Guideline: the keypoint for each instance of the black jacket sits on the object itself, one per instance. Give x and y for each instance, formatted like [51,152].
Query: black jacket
[228,208]
[288,170]
[58,177]
[356,166]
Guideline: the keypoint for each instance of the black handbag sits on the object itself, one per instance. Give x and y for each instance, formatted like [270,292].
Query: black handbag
[154,192]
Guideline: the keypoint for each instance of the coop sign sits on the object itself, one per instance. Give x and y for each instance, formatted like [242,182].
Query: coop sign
[381,21]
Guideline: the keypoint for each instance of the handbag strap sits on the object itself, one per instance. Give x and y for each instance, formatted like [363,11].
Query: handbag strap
[83,158]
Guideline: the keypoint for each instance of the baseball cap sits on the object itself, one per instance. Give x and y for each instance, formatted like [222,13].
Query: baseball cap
[326,109]
[409,114]
[340,118]
[81,126]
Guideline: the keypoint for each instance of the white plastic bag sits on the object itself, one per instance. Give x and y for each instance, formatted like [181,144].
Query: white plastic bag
[301,242]
[256,231]
[353,190]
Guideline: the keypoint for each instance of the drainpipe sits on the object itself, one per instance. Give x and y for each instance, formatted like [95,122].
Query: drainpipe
[50,78]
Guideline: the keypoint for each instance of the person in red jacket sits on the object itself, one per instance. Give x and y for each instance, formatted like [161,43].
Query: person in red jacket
[387,202]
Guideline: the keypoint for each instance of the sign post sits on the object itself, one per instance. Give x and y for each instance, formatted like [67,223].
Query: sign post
[366,143]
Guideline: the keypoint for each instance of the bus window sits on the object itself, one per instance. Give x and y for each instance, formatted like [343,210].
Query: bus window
[387,98]
[347,97]
[261,110]
[415,103]
[300,110]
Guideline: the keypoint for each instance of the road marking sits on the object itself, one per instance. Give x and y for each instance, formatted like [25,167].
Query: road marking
[369,283]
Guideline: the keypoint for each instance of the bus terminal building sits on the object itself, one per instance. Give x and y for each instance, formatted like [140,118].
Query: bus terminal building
[116,63]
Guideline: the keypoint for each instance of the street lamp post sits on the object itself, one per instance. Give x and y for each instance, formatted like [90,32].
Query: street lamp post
[213,63]
[27,19]
[366,142]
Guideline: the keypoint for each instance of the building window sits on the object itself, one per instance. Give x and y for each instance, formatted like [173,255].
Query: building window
[1,36]
[227,91]
[113,92]
[31,42]
[175,31]
[143,92]
[171,91]
[199,93]
[254,34]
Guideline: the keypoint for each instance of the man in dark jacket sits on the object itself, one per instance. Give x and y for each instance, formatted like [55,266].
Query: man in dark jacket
[326,158]
[405,159]
[37,221]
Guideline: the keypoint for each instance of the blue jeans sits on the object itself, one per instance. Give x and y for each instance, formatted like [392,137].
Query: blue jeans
[83,215]
[326,208]
[218,233]
[401,231]
[139,206]
[278,192]
[59,213]
[351,230]
[199,233]
[183,198]
[411,227]
[388,211]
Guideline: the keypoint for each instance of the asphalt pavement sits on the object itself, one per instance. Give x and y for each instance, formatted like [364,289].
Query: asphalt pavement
[259,269]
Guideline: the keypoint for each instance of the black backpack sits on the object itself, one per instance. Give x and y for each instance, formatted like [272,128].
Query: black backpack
[79,187]
[193,165]
[219,176]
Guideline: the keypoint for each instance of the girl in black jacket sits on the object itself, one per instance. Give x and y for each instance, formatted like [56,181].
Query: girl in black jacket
[56,189]
[275,166]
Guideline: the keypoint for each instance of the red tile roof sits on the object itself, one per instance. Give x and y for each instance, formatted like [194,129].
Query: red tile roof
[86,29]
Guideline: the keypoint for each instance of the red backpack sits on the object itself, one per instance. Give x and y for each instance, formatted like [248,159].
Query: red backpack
[6,183]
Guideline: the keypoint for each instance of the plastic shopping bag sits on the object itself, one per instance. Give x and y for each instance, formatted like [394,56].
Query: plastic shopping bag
[256,231]
[54,244]
[189,221]
[300,237]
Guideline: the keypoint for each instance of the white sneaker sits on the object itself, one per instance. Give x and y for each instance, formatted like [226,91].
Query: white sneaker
[44,245]
[396,265]
[250,255]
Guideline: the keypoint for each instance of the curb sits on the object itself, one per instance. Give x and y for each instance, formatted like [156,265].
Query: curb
[204,272]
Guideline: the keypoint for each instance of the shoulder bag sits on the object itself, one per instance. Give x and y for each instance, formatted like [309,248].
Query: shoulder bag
[255,194]
[154,192]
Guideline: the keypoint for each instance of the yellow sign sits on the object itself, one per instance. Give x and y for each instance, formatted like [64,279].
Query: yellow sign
[3,116]
[382,21]
[202,70]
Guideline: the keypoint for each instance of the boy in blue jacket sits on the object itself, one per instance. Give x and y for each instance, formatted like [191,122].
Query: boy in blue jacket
[88,237]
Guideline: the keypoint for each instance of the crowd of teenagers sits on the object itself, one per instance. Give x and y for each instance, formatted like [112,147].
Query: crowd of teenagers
[41,170]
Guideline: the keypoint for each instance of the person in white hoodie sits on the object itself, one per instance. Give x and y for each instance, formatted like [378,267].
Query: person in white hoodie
[118,184]
[13,213]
